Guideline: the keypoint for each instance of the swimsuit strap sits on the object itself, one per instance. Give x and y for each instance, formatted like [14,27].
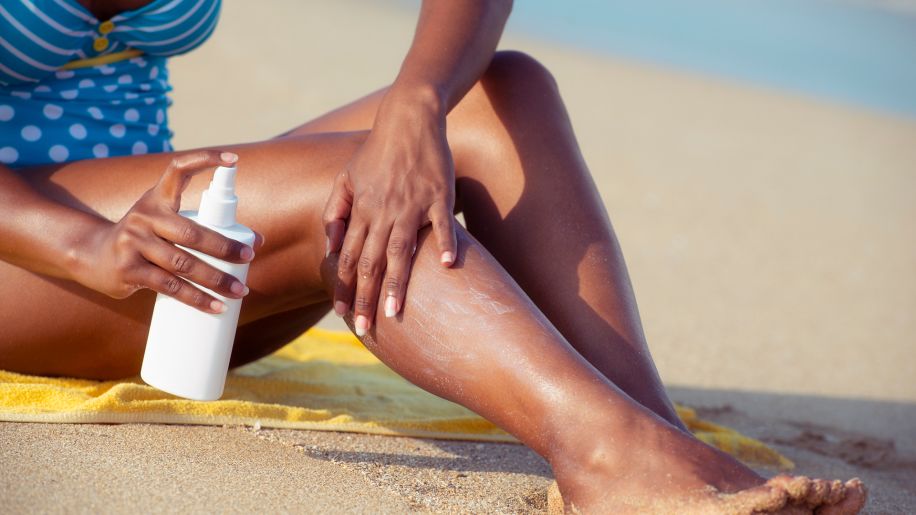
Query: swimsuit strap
[102,59]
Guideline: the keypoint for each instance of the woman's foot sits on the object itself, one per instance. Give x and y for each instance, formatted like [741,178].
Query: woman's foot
[670,472]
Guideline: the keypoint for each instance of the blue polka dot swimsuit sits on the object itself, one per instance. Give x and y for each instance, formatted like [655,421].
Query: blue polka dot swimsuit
[49,114]
[110,110]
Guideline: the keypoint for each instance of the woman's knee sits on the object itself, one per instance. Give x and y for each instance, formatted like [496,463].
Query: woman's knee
[517,70]
[516,98]
[513,85]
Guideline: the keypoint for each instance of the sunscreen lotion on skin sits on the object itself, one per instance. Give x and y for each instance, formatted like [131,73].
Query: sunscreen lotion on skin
[187,350]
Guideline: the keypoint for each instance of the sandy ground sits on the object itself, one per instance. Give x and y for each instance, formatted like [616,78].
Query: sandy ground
[107,468]
[769,238]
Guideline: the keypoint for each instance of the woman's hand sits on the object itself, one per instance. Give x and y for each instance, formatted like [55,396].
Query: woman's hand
[401,179]
[403,176]
[139,252]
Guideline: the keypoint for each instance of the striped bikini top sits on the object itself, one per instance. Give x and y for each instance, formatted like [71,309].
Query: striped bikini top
[39,37]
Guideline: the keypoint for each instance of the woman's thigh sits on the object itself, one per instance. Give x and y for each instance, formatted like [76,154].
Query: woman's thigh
[355,116]
[55,326]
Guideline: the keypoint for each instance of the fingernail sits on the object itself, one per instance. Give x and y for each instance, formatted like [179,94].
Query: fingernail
[247,253]
[391,306]
[237,288]
[246,292]
[327,247]
[361,324]
[229,157]
[447,258]
[340,307]
[217,306]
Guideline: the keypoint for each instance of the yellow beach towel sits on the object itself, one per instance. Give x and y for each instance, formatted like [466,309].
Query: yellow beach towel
[323,380]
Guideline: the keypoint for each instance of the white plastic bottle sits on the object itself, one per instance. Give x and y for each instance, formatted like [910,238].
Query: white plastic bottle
[187,350]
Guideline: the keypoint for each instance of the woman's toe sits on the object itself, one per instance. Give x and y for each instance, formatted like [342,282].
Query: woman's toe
[820,489]
[798,488]
[852,502]
[837,492]
[848,506]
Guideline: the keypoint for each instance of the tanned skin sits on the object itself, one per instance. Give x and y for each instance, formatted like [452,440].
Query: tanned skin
[526,317]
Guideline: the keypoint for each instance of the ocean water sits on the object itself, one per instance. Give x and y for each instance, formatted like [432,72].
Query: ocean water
[862,54]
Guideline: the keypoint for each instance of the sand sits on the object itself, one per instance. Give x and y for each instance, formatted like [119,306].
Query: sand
[109,468]
[769,238]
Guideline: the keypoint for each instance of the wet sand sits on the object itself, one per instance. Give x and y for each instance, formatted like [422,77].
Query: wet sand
[769,238]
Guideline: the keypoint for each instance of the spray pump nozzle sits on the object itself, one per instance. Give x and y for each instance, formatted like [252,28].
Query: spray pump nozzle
[218,203]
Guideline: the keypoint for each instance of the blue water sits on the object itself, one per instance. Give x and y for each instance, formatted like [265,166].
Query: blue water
[843,52]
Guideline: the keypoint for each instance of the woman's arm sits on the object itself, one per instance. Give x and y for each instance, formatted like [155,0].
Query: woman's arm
[117,259]
[39,234]
[402,178]
[453,45]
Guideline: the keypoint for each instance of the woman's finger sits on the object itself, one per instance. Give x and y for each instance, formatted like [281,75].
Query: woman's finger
[184,166]
[443,222]
[172,259]
[259,241]
[158,280]
[370,267]
[399,255]
[178,229]
[347,262]
[336,212]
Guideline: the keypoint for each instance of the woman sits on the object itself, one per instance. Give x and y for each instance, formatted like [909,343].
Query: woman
[530,322]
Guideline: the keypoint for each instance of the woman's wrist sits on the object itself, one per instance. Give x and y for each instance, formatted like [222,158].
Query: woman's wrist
[54,240]
[413,101]
[78,250]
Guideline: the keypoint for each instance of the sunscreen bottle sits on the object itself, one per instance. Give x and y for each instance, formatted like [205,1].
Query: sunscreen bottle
[187,350]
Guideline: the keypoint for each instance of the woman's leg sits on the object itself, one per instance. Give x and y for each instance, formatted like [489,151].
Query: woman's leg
[470,334]
[527,196]
[518,167]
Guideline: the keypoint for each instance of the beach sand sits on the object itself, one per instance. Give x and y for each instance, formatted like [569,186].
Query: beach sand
[769,237]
